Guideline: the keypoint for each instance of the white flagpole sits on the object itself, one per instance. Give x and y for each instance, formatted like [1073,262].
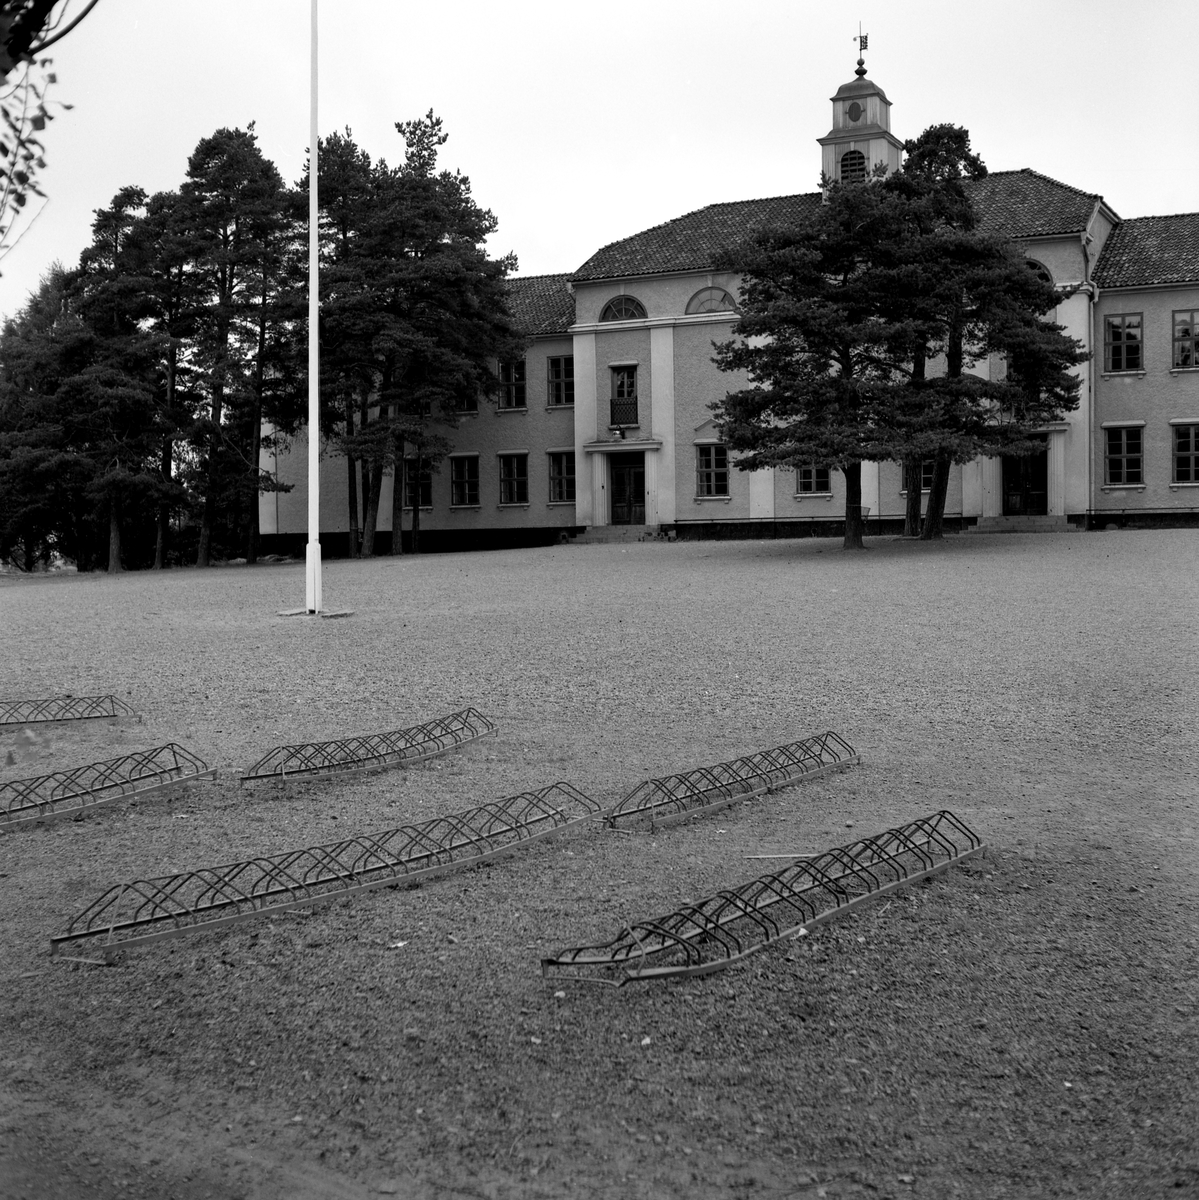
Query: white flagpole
[312,572]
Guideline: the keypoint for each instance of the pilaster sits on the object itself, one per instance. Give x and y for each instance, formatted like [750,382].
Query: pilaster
[660,467]
[586,427]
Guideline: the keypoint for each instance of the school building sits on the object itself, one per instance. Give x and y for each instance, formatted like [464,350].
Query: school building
[606,422]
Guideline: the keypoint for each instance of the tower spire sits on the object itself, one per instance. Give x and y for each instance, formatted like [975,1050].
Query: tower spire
[862,39]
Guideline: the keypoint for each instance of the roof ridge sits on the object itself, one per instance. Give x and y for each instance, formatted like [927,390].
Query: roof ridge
[1069,187]
[696,212]
[544,275]
[1158,217]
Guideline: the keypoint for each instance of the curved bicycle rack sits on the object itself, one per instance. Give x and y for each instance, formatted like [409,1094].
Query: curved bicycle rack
[69,793]
[62,708]
[149,910]
[722,929]
[675,797]
[373,750]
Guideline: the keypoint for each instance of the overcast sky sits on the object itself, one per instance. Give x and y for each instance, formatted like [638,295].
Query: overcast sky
[579,125]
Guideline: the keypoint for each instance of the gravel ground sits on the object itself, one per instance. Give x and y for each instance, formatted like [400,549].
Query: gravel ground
[1022,1026]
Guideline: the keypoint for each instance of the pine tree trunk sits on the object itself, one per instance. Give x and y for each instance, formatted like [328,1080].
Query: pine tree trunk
[935,514]
[164,510]
[114,537]
[255,471]
[371,517]
[416,511]
[352,482]
[397,499]
[211,474]
[853,507]
[913,473]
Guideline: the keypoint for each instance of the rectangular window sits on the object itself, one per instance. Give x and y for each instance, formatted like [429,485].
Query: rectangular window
[1186,339]
[1124,455]
[812,479]
[711,471]
[562,478]
[426,483]
[1122,343]
[1186,453]
[467,403]
[514,479]
[560,378]
[464,481]
[512,384]
[624,396]
[926,476]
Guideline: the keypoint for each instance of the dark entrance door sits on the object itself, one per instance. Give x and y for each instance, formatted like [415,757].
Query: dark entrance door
[628,488]
[1026,484]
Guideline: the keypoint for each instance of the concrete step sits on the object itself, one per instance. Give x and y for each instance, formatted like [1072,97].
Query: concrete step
[1042,524]
[599,535]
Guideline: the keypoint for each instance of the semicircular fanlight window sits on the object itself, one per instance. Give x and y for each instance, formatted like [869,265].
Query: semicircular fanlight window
[623,308]
[711,299]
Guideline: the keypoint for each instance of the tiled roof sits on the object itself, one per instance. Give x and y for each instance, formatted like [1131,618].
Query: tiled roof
[1017,203]
[691,242]
[542,304]
[1148,250]
[1028,204]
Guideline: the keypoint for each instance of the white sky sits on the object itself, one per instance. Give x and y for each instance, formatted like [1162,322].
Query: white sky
[581,124]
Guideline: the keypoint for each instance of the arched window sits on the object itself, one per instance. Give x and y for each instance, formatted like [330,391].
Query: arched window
[1039,270]
[711,299]
[623,308]
[853,167]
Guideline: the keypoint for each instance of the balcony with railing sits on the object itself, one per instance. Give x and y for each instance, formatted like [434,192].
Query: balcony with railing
[624,411]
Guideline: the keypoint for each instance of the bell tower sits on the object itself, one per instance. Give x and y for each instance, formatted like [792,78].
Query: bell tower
[861,136]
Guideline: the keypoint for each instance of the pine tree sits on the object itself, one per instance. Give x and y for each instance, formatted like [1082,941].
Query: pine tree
[813,343]
[234,209]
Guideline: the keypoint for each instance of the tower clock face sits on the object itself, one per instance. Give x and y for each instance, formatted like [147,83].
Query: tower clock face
[855,111]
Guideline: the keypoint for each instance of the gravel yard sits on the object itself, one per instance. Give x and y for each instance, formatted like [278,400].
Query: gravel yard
[1026,1025]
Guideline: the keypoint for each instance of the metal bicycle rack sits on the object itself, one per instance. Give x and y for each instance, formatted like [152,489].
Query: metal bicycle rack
[373,750]
[62,708]
[722,929]
[68,793]
[675,797]
[149,910]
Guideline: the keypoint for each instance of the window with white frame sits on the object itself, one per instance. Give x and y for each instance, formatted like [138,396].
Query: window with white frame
[464,481]
[709,300]
[1186,453]
[1123,458]
[411,476]
[562,477]
[1122,342]
[624,396]
[512,384]
[623,308]
[514,479]
[711,470]
[1186,339]
[560,381]
[926,476]
[812,480]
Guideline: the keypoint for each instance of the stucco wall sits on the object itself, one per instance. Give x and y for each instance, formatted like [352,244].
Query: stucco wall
[622,345]
[1156,395]
[534,430]
[665,296]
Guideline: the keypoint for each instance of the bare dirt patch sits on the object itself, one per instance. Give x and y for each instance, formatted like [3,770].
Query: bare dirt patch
[1023,1026]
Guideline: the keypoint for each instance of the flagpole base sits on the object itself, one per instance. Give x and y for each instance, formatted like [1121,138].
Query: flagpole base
[312,578]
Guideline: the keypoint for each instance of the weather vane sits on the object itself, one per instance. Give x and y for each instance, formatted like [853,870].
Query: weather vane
[863,40]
